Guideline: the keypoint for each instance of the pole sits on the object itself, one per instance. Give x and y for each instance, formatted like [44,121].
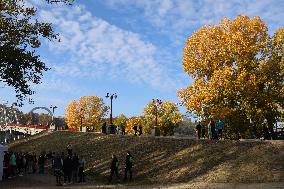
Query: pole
[81,123]
[111,109]
[156,115]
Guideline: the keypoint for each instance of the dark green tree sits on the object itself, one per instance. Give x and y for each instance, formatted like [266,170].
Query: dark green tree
[20,36]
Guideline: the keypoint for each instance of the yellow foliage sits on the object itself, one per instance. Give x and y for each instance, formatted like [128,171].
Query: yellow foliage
[134,121]
[234,70]
[72,115]
[90,110]
[168,116]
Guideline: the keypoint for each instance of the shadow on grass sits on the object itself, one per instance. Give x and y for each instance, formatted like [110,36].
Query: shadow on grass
[166,160]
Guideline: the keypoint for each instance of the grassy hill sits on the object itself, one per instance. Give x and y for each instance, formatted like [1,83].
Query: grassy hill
[170,160]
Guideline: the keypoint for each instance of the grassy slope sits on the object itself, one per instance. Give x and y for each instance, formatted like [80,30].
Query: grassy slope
[168,160]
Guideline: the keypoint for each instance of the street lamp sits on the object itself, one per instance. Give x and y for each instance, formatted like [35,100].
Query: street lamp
[53,108]
[111,96]
[157,103]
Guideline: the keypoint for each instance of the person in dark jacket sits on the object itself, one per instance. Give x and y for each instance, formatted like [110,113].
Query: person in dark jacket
[104,128]
[41,162]
[213,130]
[113,168]
[198,130]
[67,169]
[75,166]
[128,166]
[58,164]
[135,128]
[140,130]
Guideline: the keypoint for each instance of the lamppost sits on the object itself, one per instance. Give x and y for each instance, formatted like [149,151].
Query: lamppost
[157,103]
[53,108]
[111,96]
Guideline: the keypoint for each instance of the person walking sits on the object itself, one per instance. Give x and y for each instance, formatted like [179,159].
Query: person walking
[198,130]
[58,164]
[82,164]
[128,166]
[113,168]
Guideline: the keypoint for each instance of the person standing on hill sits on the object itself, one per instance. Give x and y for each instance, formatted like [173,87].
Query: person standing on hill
[135,130]
[122,127]
[210,130]
[220,128]
[198,130]
[140,130]
[104,127]
[128,166]
[113,168]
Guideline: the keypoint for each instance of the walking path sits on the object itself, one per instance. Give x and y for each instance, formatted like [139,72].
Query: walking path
[37,181]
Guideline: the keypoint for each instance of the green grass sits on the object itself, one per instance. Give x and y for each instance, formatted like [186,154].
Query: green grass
[168,160]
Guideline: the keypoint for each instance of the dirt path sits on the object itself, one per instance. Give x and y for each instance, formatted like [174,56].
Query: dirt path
[47,182]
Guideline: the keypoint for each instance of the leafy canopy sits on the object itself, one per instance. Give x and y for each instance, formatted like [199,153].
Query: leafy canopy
[237,72]
[20,36]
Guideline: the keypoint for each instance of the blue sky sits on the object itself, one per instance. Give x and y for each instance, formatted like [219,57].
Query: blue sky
[130,47]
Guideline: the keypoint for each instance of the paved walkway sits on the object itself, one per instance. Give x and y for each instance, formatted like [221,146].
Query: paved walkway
[47,182]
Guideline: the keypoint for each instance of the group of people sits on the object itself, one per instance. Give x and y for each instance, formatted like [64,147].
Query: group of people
[70,166]
[22,163]
[214,130]
[114,129]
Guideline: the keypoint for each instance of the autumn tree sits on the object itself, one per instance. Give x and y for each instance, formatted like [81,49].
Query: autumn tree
[168,117]
[237,72]
[120,120]
[72,115]
[92,109]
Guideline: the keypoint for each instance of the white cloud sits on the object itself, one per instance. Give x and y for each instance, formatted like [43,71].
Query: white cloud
[97,49]
[178,17]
